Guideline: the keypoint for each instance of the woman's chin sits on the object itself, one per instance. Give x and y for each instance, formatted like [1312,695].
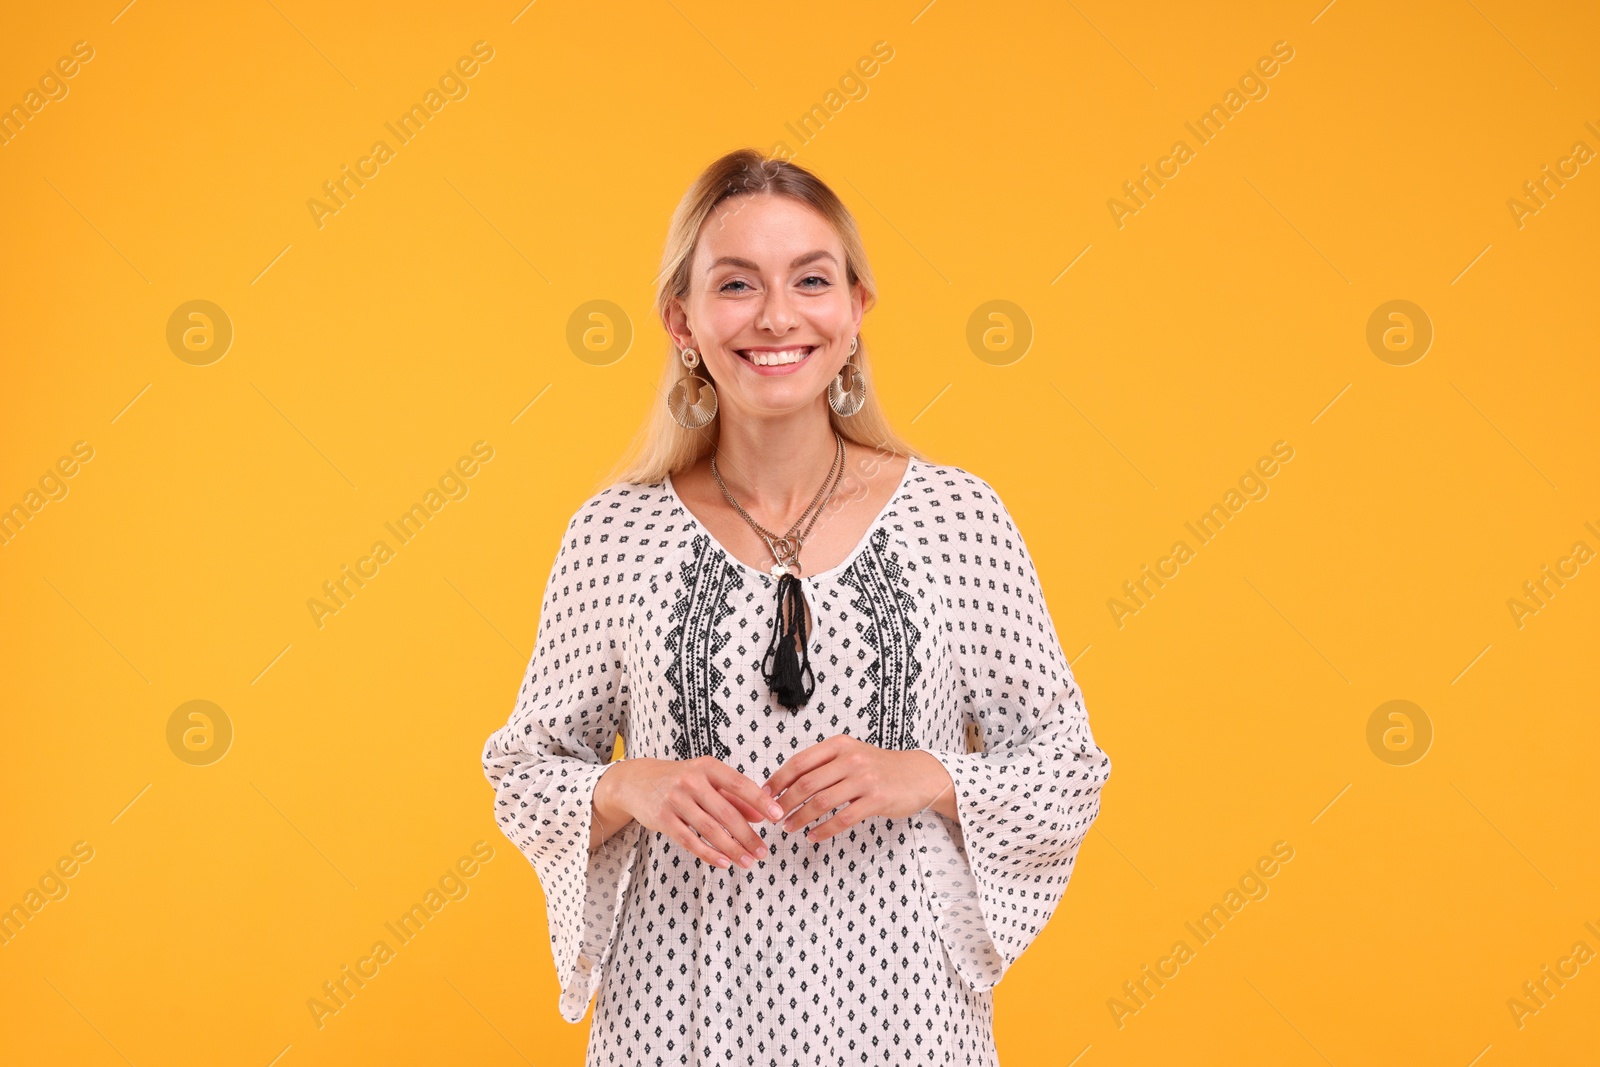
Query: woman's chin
[774,397]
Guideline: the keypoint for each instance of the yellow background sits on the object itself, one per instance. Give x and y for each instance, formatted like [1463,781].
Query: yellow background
[1227,314]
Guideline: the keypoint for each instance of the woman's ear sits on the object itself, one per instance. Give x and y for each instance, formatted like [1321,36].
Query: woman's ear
[676,322]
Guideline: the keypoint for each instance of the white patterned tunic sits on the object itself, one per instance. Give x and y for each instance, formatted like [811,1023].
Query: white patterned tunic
[879,945]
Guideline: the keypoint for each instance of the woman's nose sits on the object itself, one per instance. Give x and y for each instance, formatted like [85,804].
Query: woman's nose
[777,313]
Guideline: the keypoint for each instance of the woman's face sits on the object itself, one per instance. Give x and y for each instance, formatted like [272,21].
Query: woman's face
[767,286]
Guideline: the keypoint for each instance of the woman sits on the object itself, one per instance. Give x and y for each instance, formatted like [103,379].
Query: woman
[801,860]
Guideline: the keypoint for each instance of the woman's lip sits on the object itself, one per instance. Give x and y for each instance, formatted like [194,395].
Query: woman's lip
[786,368]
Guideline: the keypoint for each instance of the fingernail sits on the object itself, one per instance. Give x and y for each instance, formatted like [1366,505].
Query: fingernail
[767,790]
[774,810]
[762,852]
[746,861]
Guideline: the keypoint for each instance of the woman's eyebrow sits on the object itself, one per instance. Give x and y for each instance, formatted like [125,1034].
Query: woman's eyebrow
[799,261]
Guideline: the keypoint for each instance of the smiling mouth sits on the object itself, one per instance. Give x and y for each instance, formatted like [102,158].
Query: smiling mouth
[775,358]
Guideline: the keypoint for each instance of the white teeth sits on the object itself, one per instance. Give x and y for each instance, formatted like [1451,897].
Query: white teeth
[777,359]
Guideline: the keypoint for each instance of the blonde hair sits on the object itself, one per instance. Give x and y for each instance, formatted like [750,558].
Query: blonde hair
[662,446]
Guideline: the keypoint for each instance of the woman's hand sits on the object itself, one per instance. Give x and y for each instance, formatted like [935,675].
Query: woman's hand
[871,780]
[703,804]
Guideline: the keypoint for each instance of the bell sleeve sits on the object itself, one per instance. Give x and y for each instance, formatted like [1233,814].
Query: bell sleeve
[544,763]
[1028,795]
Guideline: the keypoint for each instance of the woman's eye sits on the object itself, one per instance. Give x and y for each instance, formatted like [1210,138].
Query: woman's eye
[728,287]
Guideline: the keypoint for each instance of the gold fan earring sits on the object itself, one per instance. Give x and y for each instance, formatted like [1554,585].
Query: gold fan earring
[848,390]
[693,400]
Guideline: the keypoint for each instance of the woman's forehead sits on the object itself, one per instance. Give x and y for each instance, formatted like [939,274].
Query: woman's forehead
[770,230]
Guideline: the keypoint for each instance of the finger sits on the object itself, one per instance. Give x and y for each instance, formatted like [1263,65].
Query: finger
[745,840]
[800,765]
[717,836]
[680,831]
[752,803]
[797,765]
[841,821]
[818,806]
[750,813]
[802,781]
[684,834]
[810,785]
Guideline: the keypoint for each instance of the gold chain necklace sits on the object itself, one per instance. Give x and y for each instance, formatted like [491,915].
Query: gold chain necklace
[785,548]
[787,663]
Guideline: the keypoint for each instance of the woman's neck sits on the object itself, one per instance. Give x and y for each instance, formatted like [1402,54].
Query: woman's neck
[774,467]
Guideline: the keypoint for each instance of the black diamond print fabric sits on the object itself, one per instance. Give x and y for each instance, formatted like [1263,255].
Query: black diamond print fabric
[880,945]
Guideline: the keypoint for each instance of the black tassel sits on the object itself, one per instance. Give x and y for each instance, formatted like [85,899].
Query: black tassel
[787,664]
